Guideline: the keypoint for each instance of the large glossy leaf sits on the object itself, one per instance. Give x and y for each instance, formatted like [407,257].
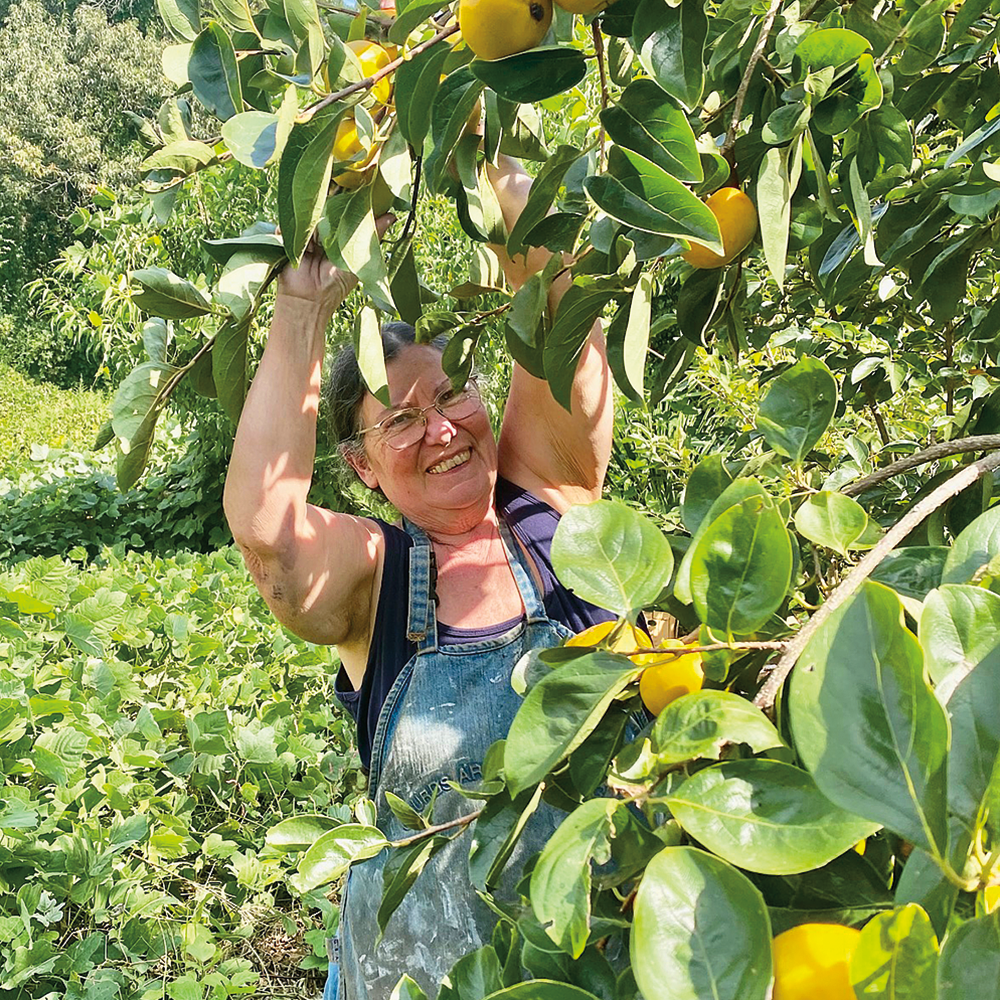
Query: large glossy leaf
[837,47]
[611,555]
[559,713]
[309,188]
[181,18]
[700,929]
[741,567]
[256,138]
[628,340]
[264,246]
[578,309]
[240,283]
[798,408]
[959,625]
[532,76]
[969,965]
[473,977]
[184,156]
[496,833]
[670,43]
[699,724]
[765,816]
[974,757]
[646,120]
[214,75]
[974,548]
[867,725]
[401,871]
[229,366]
[417,82]
[299,833]
[896,957]
[561,880]
[543,192]
[140,391]
[704,486]
[777,180]
[832,520]
[913,571]
[735,492]
[644,196]
[163,293]
[542,989]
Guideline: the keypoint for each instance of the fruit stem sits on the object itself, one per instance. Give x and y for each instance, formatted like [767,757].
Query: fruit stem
[369,81]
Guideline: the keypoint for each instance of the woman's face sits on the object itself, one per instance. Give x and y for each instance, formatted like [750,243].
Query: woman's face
[445,481]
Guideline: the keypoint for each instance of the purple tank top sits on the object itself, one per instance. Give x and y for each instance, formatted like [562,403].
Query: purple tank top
[533,522]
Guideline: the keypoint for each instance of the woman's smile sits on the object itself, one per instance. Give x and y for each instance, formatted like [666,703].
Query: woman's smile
[452,462]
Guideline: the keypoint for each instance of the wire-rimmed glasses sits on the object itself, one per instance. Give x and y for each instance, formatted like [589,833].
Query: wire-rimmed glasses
[404,427]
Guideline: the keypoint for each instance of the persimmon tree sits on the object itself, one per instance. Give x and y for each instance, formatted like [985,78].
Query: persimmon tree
[841,762]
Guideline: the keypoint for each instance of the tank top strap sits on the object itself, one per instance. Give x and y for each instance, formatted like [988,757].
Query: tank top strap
[533,606]
[421,619]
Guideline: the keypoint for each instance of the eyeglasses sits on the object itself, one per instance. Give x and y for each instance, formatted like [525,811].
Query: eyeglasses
[403,428]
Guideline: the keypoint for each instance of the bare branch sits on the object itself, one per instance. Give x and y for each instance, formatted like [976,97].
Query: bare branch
[960,481]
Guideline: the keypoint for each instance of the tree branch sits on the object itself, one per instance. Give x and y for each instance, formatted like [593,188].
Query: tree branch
[368,82]
[982,442]
[960,481]
[741,93]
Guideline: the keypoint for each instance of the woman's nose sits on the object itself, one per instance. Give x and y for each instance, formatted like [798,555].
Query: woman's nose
[439,430]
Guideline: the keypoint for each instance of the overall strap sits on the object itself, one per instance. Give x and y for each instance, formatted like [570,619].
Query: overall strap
[421,620]
[533,606]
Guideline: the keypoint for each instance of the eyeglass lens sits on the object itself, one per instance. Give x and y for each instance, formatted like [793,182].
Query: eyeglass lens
[407,427]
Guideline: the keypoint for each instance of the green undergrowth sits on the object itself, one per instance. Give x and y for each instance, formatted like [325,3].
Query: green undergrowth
[155,721]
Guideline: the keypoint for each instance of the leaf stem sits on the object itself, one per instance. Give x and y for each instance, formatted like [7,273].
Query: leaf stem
[953,486]
[605,100]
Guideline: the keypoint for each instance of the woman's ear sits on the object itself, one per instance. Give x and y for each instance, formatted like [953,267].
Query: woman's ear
[358,461]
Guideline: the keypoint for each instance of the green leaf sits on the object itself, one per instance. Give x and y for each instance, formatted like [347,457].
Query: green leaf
[310,187]
[707,483]
[611,555]
[407,989]
[229,365]
[628,340]
[564,343]
[242,278]
[334,852]
[959,626]
[214,75]
[913,571]
[301,15]
[140,392]
[975,750]
[736,492]
[371,361]
[417,82]
[454,101]
[644,196]
[741,567]
[969,965]
[58,753]
[647,121]
[765,816]
[700,929]
[699,724]
[263,246]
[236,14]
[798,408]
[496,833]
[698,301]
[974,548]
[837,47]
[532,76]
[163,293]
[257,139]
[400,873]
[896,956]
[473,977]
[542,989]
[181,18]
[560,881]
[185,156]
[831,519]
[776,183]
[543,192]
[355,243]
[298,833]
[867,725]
[670,43]
[559,713]
[404,812]
[409,17]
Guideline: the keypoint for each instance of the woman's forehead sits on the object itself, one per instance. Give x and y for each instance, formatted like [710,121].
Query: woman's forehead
[413,373]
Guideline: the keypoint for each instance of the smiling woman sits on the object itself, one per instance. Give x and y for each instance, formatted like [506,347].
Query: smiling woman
[429,615]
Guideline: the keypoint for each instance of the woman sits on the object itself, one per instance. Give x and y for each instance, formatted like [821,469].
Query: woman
[428,618]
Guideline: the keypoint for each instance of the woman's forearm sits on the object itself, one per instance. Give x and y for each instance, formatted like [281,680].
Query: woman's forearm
[271,467]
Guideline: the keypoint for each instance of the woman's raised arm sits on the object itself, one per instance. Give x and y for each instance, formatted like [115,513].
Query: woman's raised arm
[559,456]
[315,568]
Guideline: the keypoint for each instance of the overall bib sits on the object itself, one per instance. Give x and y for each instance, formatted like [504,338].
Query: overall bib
[448,704]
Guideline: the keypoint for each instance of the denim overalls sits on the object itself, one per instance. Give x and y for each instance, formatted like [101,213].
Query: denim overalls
[446,707]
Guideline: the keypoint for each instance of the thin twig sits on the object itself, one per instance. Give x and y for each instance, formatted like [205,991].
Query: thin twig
[675,651]
[883,431]
[369,81]
[953,486]
[440,828]
[741,93]
[982,442]
[605,100]
[411,216]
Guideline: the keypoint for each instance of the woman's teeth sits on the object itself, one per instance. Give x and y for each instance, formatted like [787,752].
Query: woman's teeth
[450,463]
